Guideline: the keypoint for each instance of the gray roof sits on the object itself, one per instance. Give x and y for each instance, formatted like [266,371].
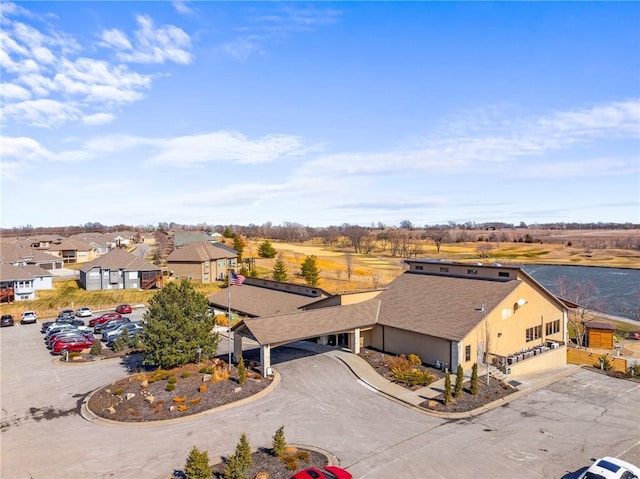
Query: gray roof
[440,306]
[120,259]
[598,325]
[259,301]
[11,253]
[200,252]
[183,238]
[15,273]
[294,326]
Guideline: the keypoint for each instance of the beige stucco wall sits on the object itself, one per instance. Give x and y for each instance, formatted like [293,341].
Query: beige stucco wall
[507,325]
[398,341]
[553,358]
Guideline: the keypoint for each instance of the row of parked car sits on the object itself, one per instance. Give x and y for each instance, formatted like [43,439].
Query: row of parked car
[68,333]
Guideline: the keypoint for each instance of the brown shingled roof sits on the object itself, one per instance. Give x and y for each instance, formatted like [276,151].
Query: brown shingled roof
[198,252]
[258,301]
[318,322]
[120,259]
[440,306]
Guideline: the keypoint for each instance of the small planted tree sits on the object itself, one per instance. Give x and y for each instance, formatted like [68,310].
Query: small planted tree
[96,348]
[474,379]
[266,250]
[280,270]
[243,451]
[279,446]
[310,271]
[447,388]
[242,371]
[233,469]
[459,381]
[197,466]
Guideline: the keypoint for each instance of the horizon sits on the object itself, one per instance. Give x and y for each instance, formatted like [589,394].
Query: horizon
[330,113]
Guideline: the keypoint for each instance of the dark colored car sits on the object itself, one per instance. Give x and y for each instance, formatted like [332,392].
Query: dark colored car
[104,318]
[72,321]
[327,472]
[6,320]
[123,309]
[66,314]
[109,324]
[71,344]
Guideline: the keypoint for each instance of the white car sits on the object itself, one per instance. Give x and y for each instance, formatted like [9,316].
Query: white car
[611,468]
[29,317]
[84,312]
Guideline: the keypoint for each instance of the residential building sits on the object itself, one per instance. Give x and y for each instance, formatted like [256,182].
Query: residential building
[119,269]
[20,283]
[202,262]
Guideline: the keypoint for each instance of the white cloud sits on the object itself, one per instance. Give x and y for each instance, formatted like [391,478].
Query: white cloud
[43,113]
[98,119]
[152,44]
[243,47]
[10,91]
[23,148]
[182,7]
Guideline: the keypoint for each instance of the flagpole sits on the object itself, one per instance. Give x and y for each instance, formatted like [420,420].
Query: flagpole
[229,316]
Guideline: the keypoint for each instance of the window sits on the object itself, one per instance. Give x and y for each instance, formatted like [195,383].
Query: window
[419,268]
[534,333]
[553,327]
[472,271]
[504,274]
[467,353]
[444,269]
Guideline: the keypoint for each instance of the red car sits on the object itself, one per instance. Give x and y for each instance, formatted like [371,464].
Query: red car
[104,318]
[71,344]
[123,309]
[327,472]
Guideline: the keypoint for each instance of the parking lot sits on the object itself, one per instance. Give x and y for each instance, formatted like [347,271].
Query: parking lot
[549,433]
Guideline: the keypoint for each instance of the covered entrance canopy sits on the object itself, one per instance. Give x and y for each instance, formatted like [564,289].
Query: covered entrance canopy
[272,331]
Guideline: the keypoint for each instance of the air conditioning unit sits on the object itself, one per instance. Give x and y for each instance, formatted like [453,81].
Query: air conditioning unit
[553,345]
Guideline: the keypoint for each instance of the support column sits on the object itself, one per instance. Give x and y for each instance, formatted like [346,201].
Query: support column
[237,346]
[323,340]
[355,347]
[265,360]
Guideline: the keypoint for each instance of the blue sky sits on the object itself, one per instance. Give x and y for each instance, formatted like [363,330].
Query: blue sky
[319,113]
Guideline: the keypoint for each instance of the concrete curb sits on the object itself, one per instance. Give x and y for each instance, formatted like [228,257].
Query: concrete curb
[331,458]
[90,416]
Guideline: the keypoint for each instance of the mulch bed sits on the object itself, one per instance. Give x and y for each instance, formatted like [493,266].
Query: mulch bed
[131,399]
[464,403]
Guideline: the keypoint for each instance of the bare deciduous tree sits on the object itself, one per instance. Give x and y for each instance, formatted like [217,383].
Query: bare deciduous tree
[375,278]
[437,235]
[584,295]
[348,260]
[484,249]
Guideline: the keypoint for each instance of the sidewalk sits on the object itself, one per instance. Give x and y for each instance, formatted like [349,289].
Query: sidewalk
[367,376]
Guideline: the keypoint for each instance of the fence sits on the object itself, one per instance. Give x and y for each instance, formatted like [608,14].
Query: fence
[584,356]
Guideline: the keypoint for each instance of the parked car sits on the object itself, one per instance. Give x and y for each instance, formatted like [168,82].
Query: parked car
[6,320]
[56,328]
[118,330]
[123,309]
[105,317]
[66,313]
[29,317]
[72,321]
[109,324]
[84,312]
[611,468]
[71,344]
[327,472]
[69,333]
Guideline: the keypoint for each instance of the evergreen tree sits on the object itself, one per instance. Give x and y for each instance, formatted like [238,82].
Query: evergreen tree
[266,250]
[176,325]
[280,270]
[243,452]
[242,371]
[474,379]
[459,381]
[228,233]
[310,270]
[279,446]
[197,466]
[447,388]
[233,469]
[238,245]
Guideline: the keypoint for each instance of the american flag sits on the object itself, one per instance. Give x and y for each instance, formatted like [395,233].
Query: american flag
[236,279]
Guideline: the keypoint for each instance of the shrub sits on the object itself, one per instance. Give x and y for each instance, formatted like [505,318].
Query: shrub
[197,466]
[172,380]
[182,407]
[400,363]
[185,374]
[474,379]
[158,375]
[603,363]
[634,371]
[196,401]
[120,344]
[179,399]
[447,388]
[118,391]
[220,374]
[203,388]
[412,377]
[96,348]
[170,387]
[233,469]
[304,456]
[243,451]
[290,462]
[279,444]
[415,360]
[459,381]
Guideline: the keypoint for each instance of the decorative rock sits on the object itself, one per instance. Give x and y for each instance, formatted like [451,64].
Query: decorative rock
[206,378]
[172,408]
[150,399]
[262,475]
[130,396]
[237,390]
[108,391]
[144,384]
[111,410]
[431,404]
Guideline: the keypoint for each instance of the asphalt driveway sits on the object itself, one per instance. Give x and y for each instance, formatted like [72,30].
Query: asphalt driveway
[550,433]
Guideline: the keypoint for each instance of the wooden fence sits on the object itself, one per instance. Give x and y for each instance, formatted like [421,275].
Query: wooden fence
[590,358]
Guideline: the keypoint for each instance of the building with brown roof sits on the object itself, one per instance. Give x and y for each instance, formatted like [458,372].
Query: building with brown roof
[202,262]
[449,314]
[119,269]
